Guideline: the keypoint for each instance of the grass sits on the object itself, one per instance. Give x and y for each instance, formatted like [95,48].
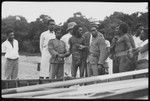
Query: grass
[27,66]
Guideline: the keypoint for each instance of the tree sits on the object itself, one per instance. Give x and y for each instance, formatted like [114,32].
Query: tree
[36,28]
[80,20]
[20,26]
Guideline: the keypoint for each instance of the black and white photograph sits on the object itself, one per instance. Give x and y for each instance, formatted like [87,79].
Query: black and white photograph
[74,50]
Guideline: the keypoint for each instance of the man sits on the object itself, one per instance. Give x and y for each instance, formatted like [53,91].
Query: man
[142,62]
[136,37]
[97,53]
[87,37]
[109,63]
[44,38]
[10,49]
[76,49]
[57,49]
[124,43]
[66,38]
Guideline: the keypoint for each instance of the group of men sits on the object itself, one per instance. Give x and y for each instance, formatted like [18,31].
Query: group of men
[89,52]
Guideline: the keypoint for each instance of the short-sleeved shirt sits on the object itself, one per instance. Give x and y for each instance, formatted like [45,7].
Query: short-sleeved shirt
[10,51]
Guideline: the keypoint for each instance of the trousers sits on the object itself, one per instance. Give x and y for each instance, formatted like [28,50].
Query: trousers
[57,70]
[77,63]
[92,69]
[45,70]
[11,69]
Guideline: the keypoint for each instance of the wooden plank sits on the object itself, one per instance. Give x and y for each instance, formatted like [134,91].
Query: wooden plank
[72,82]
[37,93]
[128,93]
[86,91]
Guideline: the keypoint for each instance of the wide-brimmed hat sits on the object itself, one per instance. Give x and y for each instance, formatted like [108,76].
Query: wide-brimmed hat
[71,25]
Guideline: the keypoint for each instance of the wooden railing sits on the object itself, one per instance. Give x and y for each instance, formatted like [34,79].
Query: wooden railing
[106,78]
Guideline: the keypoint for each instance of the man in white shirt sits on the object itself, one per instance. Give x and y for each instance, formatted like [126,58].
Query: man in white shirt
[143,51]
[10,49]
[136,37]
[45,71]
[109,61]
[65,38]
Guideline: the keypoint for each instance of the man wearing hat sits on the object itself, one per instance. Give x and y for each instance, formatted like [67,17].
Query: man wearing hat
[44,39]
[66,38]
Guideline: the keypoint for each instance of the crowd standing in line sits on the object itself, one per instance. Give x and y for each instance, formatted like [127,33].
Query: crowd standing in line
[90,52]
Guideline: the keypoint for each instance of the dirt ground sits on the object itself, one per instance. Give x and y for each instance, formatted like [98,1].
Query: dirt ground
[27,67]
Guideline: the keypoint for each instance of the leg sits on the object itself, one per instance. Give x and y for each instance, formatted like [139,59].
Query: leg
[45,63]
[125,64]
[54,70]
[81,68]
[15,69]
[8,69]
[60,73]
[116,65]
[89,71]
[74,68]
[94,69]
[50,71]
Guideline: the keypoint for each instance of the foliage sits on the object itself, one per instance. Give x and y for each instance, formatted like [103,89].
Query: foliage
[107,27]
[28,34]
[80,20]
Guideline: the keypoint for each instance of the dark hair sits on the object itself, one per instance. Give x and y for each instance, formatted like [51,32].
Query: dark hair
[50,20]
[57,28]
[8,31]
[123,27]
[75,30]
[146,32]
[138,25]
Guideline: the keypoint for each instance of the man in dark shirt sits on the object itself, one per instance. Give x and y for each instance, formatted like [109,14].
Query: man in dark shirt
[124,43]
[57,49]
[76,49]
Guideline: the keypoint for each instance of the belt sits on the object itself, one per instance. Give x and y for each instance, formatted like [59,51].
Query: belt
[122,53]
[95,55]
[12,59]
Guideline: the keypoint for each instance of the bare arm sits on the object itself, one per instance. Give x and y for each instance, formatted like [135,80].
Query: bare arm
[3,49]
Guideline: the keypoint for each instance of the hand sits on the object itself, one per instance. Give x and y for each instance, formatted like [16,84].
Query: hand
[130,54]
[61,55]
[81,46]
[100,66]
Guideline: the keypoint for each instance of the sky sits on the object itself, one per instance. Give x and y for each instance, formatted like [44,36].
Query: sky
[61,11]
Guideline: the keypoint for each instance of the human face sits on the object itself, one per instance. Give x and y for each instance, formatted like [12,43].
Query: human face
[11,36]
[51,26]
[94,31]
[58,34]
[80,30]
[142,36]
[70,31]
